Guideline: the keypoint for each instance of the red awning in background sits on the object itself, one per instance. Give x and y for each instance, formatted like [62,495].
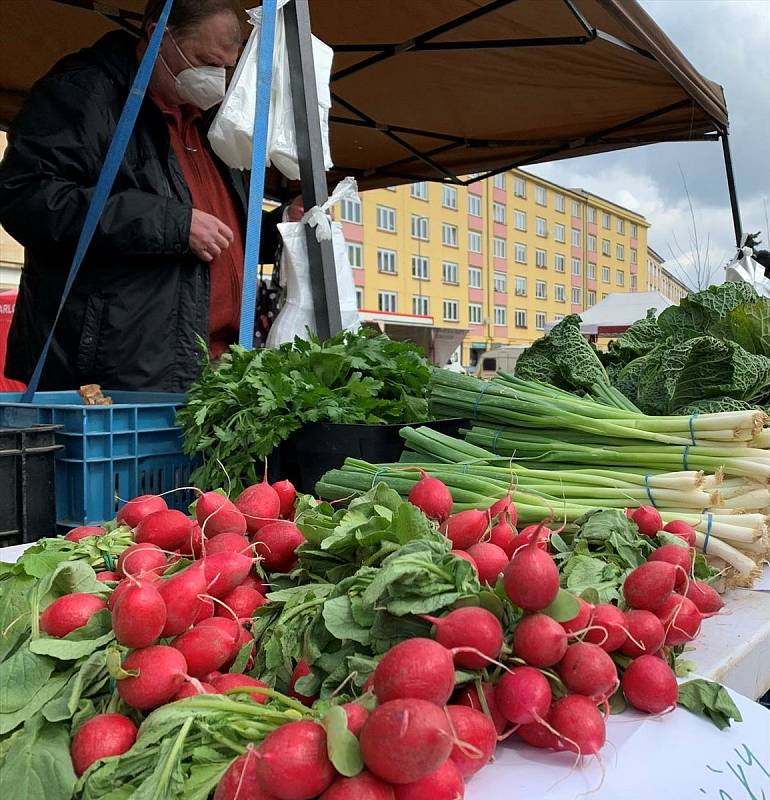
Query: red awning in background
[7,305]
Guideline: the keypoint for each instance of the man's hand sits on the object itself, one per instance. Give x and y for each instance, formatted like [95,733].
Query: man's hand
[208,235]
[296,210]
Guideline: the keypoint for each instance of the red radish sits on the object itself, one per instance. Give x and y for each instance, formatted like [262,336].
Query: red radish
[287,494]
[537,533]
[363,786]
[415,668]
[234,680]
[680,557]
[531,578]
[84,531]
[162,670]
[244,638]
[277,543]
[224,571]
[475,729]
[292,763]
[242,601]
[681,529]
[648,520]
[536,734]
[139,558]
[168,529]
[404,740]
[251,582]
[539,640]
[239,781]
[705,597]
[259,504]
[300,671]
[100,737]
[139,615]
[204,649]
[180,593]
[357,716]
[470,627]
[470,697]
[107,576]
[650,685]
[227,543]
[681,619]
[611,624]
[134,511]
[191,690]
[579,723]
[647,586]
[523,695]
[580,620]
[467,557]
[229,627]
[504,536]
[444,783]
[205,610]
[147,577]
[432,497]
[587,669]
[216,514]
[505,509]
[465,528]
[69,612]
[193,544]
[490,560]
[646,634]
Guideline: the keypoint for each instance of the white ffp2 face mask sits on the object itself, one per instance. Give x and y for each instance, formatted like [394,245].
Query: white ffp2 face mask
[204,87]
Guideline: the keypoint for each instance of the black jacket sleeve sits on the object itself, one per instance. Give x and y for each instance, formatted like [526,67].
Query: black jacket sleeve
[56,150]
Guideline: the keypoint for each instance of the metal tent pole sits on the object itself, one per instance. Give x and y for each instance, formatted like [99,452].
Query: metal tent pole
[326,300]
[731,188]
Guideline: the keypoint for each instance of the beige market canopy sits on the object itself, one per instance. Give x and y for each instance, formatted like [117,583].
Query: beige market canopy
[436,89]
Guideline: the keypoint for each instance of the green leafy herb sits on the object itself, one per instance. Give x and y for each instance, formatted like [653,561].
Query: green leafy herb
[710,700]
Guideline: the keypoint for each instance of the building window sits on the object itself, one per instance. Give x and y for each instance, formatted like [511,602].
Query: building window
[591,214]
[558,202]
[420,267]
[541,290]
[474,242]
[498,181]
[386,301]
[350,210]
[355,255]
[520,253]
[634,231]
[420,190]
[449,272]
[619,254]
[359,297]
[520,220]
[541,196]
[419,227]
[591,271]
[558,317]
[386,219]
[634,284]
[559,293]
[559,232]
[501,315]
[449,235]
[620,225]
[500,282]
[450,311]
[386,261]
[474,205]
[632,255]
[541,259]
[591,243]
[474,277]
[499,212]
[576,266]
[605,247]
[620,277]
[591,298]
[575,296]
[499,247]
[558,262]
[540,320]
[474,313]
[575,237]
[420,305]
[520,187]
[541,226]
[449,197]
[575,208]
[521,318]
[521,286]
[605,274]
[605,221]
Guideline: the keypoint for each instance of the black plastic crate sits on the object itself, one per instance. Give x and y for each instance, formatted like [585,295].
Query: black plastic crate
[27,484]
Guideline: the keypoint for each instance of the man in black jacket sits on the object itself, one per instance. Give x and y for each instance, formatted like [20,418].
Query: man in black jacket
[142,296]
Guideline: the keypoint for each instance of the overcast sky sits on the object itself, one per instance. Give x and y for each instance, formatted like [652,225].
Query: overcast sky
[728,41]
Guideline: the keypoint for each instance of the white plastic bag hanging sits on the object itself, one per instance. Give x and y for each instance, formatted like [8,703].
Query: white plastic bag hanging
[298,313]
[231,131]
[746,270]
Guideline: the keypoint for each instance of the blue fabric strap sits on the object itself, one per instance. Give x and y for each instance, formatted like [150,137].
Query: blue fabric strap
[649,492]
[685,453]
[105,181]
[691,423]
[498,434]
[709,524]
[257,179]
[484,387]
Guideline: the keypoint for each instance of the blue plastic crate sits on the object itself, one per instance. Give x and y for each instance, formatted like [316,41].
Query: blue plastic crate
[130,448]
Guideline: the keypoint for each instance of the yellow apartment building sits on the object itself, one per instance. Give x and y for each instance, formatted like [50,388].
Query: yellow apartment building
[659,279]
[462,269]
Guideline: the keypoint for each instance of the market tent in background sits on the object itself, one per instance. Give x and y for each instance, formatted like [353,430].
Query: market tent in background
[617,312]
[435,90]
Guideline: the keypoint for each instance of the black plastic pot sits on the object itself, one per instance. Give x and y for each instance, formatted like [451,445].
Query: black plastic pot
[320,446]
